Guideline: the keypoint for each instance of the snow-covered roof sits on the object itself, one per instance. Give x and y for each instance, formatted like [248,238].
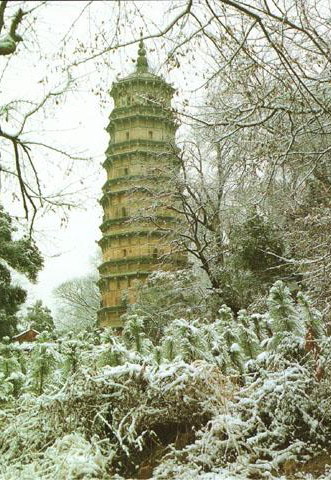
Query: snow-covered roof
[25,331]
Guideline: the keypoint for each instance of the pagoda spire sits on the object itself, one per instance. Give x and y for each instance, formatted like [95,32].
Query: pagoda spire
[142,63]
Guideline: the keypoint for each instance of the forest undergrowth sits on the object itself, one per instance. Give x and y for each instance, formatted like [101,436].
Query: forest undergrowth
[244,397]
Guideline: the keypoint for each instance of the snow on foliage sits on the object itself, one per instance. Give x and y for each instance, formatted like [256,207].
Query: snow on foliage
[235,398]
[70,457]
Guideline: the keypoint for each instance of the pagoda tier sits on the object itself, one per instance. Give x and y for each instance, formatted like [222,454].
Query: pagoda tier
[138,224]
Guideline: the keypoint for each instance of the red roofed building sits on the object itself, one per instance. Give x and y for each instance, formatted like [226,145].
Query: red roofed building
[29,335]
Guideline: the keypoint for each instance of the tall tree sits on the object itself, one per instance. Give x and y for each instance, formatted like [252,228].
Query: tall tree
[266,115]
[21,255]
[39,318]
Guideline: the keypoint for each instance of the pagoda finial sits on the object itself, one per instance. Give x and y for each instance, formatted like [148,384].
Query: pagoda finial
[142,63]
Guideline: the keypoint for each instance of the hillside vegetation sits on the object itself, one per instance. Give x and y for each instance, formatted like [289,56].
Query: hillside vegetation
[232,398]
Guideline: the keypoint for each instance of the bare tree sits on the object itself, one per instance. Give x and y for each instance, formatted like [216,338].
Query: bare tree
[20,152]
[265,123]
[264,115]
[78,303]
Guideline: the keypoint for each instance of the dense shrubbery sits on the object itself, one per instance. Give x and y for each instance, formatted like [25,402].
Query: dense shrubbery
[238,396]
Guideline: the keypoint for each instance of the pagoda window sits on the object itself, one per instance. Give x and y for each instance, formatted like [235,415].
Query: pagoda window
[124,252]
[129,282]
[126,171]
[155,253]
[118,283]
[124,212]
[127,135]
[150,135]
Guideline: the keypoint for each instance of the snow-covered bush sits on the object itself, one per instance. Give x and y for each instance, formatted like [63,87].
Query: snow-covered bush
[167,296]
[234,398]
[132,406]
[71,457]
[281,414]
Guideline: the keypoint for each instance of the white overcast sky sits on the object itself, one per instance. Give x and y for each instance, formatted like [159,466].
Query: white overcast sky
[79,121]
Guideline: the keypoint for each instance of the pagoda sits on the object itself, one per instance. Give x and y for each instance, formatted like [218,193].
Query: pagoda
[138,222]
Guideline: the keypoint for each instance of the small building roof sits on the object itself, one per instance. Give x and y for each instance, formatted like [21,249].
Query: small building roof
[26,333]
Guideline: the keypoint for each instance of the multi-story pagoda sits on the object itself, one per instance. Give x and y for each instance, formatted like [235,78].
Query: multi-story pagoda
[137,224]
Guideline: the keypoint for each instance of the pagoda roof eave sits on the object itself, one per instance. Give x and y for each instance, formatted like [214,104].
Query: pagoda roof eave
[141,78]
[133,233]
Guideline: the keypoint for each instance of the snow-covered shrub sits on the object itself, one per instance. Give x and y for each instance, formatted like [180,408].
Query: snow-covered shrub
[281,416]
[131,406]
[43,360]
[135,336]
[71,457]
[233,398]
[189,342]
[113,353]
[282,412]
[12,371]
[167,296]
